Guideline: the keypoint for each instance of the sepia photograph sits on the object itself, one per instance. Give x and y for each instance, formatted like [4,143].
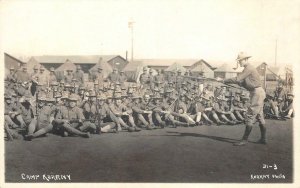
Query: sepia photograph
[128,91]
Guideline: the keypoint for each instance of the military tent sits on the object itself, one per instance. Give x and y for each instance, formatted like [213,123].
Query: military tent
[201,68]
[32,63]
[175,67]
[106,68]
[133,71]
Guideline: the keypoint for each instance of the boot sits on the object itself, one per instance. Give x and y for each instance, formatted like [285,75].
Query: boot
[245,137]
[263,131]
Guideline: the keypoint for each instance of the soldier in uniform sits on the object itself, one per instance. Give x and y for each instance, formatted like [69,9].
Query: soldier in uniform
[52,77]
[122,113]
[11,112]
[43,80]
[43,124]
[22,76]
[141,113]
[113,77]
[69,77]
[11,77]
[78,75]
[144,78]
[26,112]
[278,93]
[122,78]
[71,119]
[250,80]
[287,109]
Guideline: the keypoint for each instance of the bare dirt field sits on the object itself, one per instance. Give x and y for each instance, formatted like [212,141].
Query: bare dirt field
[185,154]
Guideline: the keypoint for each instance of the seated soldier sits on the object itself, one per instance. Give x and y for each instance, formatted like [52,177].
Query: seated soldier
[157,114]
[71,119]
[181,111]
[43,124]
[122,113]
[206,102]
[105,117]
[238,108]
[141,113]
[196,109]
[287,109]
[10,113]
[26,111]
[168,108]
[219,110]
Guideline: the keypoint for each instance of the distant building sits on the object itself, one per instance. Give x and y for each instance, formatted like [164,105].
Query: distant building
[226,71]
[11,61]
[85,61]
[203,69]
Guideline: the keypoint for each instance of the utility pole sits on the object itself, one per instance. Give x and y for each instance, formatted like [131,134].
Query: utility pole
[276,53]
[130,25]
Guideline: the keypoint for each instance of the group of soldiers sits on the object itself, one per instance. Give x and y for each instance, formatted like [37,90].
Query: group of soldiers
[39,103]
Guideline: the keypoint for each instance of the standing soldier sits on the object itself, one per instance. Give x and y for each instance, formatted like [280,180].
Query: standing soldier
[250,80]
[22,76]
[11,77]
[79,75]
[68,77]
[122,78]
[43,79]
[113,77]
[144,78]
[98,76]
[52,77]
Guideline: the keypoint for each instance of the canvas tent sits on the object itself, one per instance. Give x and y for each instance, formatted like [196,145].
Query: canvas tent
[226,71]
[175,67]
[132,70]
[32,63]
[202,69]
[106,68]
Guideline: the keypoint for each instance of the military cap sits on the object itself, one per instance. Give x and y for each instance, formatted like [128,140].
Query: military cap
[121,71]
[242,55]
[100,67]
[179,70]
[7,96]
[54,83]
[81,87]
[78,67]
[62,82]
[144,68]
[290,94]
[35,67]
[12,68]
[68,85]
[65,95]
[136,97]
[92,93]
[124,95]
[96,83]
[109,97]
[57,95]
[101,97]
[134,85]
[50,99]
[169,90]
[41,98]
[72,98]
[150,70]
[115,69]
[118,83]
[117,96]
[156,97]
[52,69]
[245,97]
[42,68]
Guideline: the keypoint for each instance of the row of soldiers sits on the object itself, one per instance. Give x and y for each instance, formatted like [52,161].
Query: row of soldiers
[111,105]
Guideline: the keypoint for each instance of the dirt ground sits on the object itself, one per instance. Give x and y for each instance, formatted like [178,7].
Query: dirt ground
[193,154]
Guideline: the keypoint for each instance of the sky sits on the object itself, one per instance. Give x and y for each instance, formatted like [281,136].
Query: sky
[177,29]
